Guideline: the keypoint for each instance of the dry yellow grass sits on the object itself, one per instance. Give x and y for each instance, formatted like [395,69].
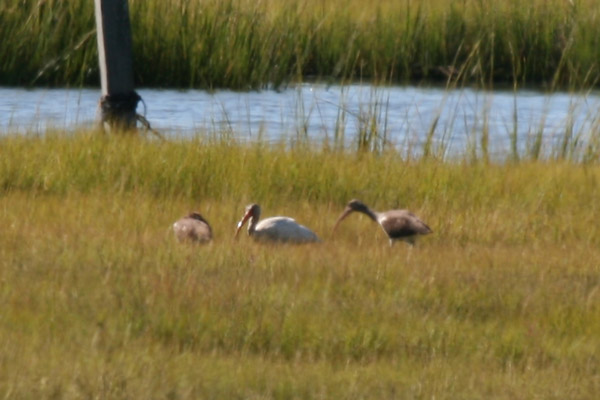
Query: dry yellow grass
[99,300]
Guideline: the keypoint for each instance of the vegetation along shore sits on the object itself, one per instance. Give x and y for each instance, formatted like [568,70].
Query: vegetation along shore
[499,298]
[246,44]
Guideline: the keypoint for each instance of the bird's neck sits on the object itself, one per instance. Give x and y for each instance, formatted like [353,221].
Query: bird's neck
[370,213]
[252,225]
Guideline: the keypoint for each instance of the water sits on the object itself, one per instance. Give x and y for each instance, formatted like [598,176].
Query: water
[403,115]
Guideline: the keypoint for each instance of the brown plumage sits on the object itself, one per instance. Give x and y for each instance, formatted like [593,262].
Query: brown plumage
[193,228]
[397,224]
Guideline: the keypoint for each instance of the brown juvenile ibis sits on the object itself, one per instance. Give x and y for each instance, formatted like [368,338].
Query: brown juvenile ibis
[397,224]
[193,228]
[274,229]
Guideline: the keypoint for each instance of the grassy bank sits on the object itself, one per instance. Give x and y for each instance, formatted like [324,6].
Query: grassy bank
[100,301]
[250,44]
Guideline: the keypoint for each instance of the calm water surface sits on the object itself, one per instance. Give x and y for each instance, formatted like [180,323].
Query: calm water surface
[403,115]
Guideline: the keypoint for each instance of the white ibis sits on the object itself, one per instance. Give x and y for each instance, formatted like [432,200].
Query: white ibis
[193,228]
[397,224]
[274,229]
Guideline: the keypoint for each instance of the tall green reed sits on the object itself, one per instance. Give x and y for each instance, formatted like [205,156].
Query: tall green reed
[47,42]
[243,45]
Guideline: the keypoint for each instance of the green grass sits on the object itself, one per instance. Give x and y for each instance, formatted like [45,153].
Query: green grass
[253,44]
[99,300]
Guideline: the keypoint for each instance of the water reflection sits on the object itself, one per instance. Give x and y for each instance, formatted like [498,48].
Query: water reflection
[405,117]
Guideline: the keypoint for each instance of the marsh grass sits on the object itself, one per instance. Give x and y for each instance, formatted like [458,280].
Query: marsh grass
[253,44]
[99,300]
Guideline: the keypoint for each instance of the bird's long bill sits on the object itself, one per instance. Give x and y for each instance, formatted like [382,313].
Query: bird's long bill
[346,212]
[240,224]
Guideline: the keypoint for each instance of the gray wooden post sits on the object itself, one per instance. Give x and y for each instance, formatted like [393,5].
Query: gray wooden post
[119,99]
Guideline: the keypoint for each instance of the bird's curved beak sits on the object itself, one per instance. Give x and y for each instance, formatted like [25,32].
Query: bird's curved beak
[346,212]
[240,224]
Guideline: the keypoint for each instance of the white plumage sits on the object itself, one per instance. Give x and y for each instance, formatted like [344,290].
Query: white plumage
[275,229]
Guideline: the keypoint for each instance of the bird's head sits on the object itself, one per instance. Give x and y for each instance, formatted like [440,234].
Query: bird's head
[252,211]
[356,205]
[353,205]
